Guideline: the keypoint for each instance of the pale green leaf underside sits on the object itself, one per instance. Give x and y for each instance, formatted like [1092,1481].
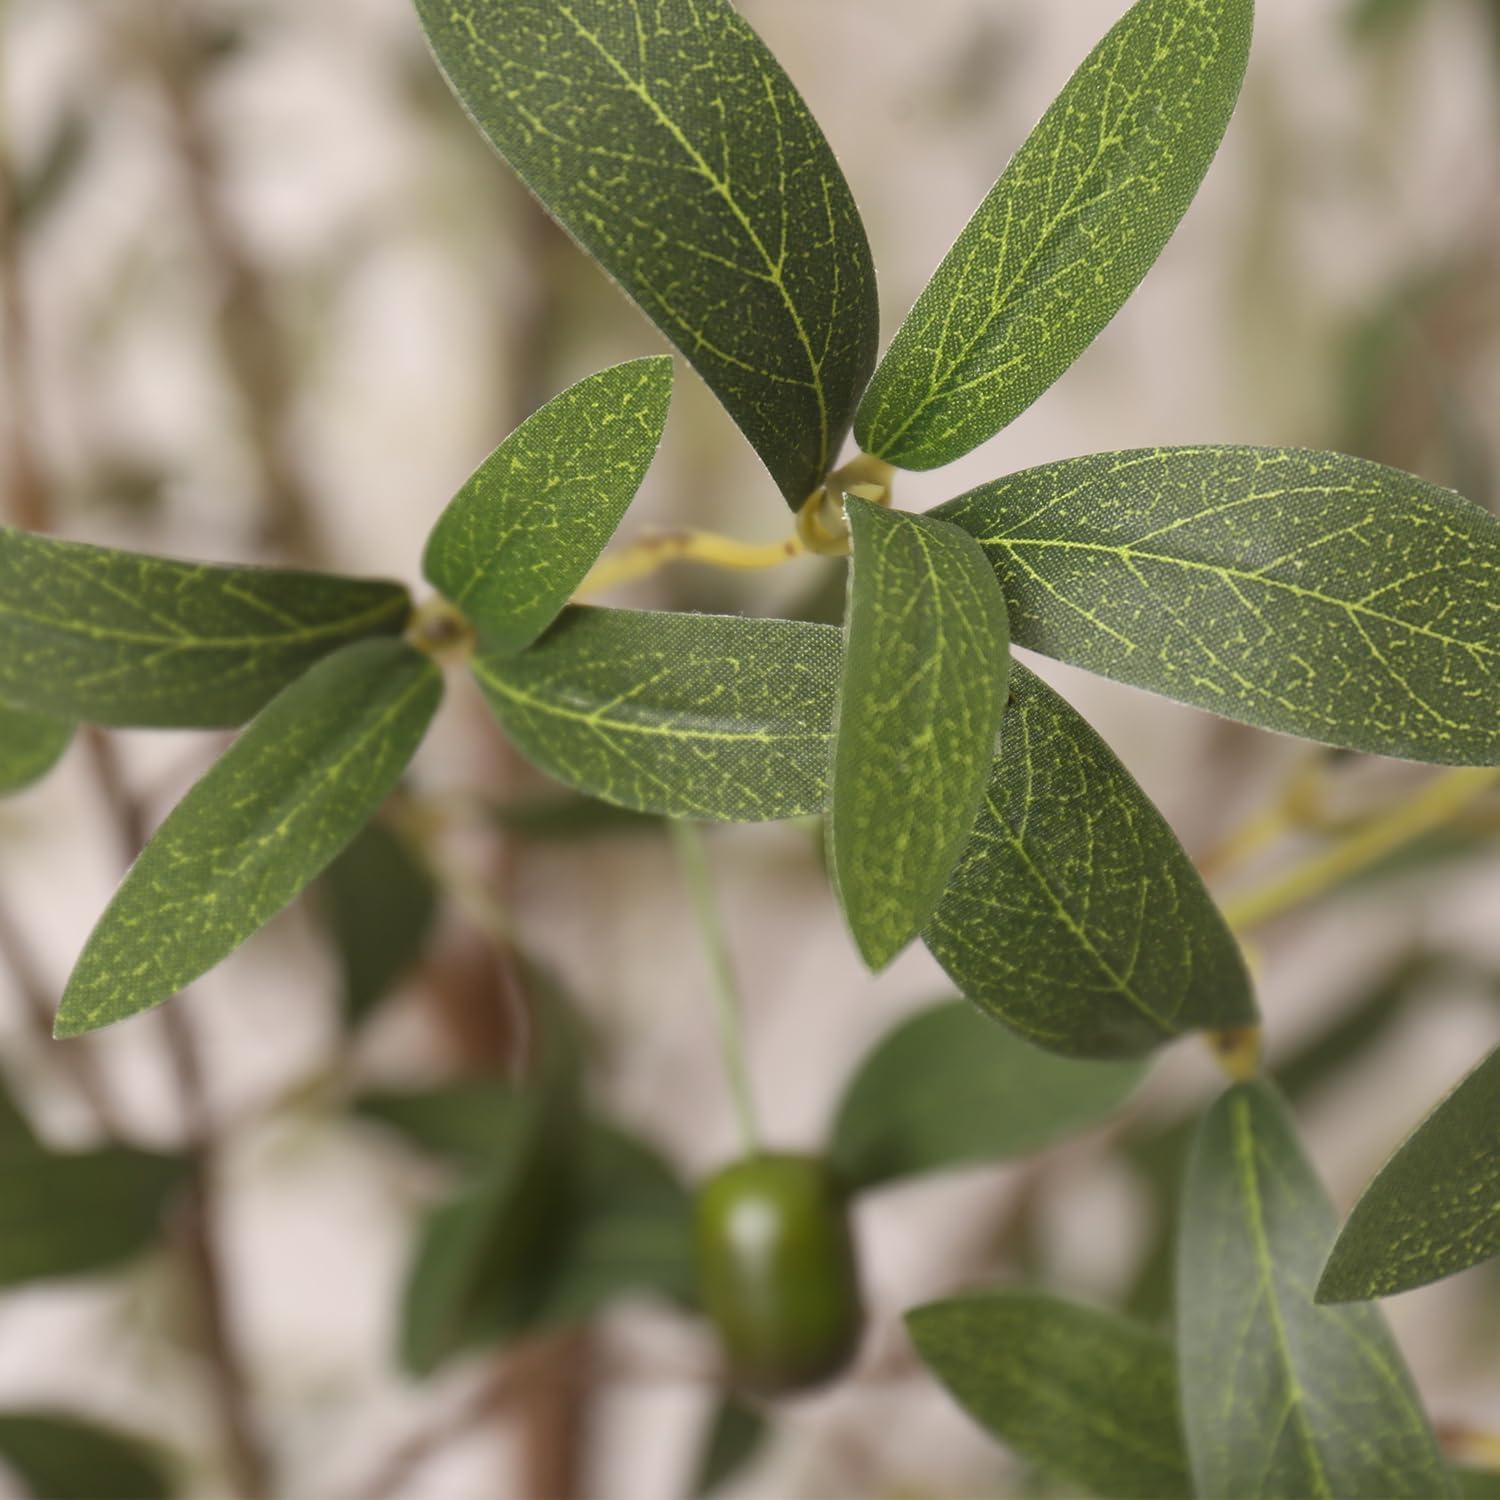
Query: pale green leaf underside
[30,745]
[948,1087]
[119,638]
[1074,915]
[1065,236]
[1310,593]
[1084,1394]
[926,664]
[1434,1208]
[520,536]
[277,807]
[1283,1399]
[693,716]
[670,144]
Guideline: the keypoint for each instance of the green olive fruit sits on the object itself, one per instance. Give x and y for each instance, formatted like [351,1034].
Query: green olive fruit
[776,1271]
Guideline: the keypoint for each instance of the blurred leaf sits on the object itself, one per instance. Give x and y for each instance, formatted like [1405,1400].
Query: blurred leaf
[41,188]
[562,819]
[567,1215]
[672,146]
[1078,218]
[1310,593]
[62,1458]
[1074,916]
[1087,1395]
[1282,1398]
[466,1120]
[121,638]
[1369,19]
[30,745]
[924,685]
[1434,1208]
[522,534]
[949,1087]
[291,791]
[694,716]
[380,905]
[70,1215]
[1478,1484]
[735,1437]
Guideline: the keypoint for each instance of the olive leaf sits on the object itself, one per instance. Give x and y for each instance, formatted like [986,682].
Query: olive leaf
[1282,1398]
[670,144]
[948,1087]
[695,716]
[30,745]
[295,787]
[1074,915]
[1065,236]
[926,666]
[380,904]
[521,535]
[120,638]
[1434,1208]
[76,1213]
[1086,1395]
[61,1457]
[735,1436]
[1318,595]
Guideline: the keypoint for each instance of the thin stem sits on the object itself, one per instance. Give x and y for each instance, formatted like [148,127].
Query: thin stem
[645,557]
[1438,804]
[728,1004]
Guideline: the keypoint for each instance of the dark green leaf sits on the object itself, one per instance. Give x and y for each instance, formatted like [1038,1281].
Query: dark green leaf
[1281,1398]
[30,745]
[380,904]
[1065,236]
[63,1458]
[565,818]
[466,1120]
[1074,915]
[1434,1208]
[694,716]
[522,534]
[1084,1394]
[271,814]
[1477,1484]
[924,686]
[669,143]
[948,1087]
[70,1215]
[1310,593]
[120,638]
[735,1436]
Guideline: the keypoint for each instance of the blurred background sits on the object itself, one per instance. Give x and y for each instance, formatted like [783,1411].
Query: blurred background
[267,296]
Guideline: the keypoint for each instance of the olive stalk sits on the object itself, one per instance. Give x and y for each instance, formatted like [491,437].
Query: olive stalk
[728,1005]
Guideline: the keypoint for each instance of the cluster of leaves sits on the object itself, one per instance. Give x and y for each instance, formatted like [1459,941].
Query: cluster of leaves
[967,804]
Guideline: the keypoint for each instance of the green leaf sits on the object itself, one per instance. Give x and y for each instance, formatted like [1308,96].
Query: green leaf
[1281,1398]
[380,905]
[1434,1208]
[670,144]
[62,1458]
[1318,595]
[465,1120]
[522,534]
[30,745]
[1065,236]
[567,818]
[735,1437]
[1074,916]
[1478,1484]
[695,716]
[924,685]
[120,638]
[949,1087]
[75,1214]
[295,787]
[1086,1395]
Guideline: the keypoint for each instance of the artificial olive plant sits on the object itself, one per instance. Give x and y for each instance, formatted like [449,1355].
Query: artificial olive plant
[966,804]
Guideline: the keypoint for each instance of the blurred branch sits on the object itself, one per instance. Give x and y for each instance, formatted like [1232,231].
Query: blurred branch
[251,343]
[247,1457]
